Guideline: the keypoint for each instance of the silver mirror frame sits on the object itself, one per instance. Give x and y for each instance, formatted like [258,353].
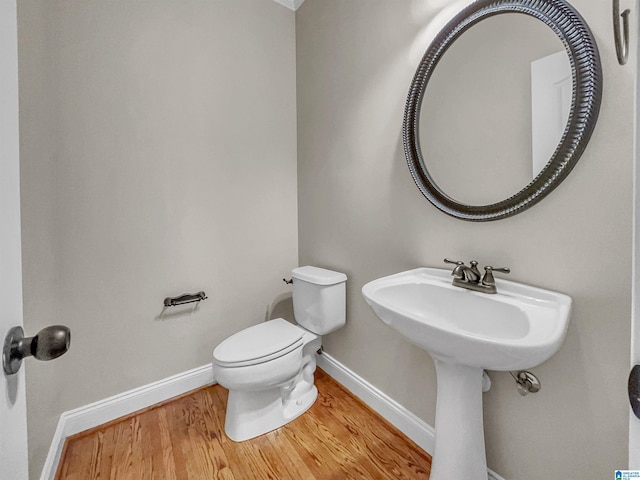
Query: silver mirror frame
[586,69]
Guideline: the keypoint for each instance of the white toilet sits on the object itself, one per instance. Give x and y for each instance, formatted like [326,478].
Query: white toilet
[268,368]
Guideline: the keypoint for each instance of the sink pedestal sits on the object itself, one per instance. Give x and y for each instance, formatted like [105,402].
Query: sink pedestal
[459,450]
[516,329]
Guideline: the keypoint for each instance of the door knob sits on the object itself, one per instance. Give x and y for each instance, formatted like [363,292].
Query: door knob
[634,390]
[47,344]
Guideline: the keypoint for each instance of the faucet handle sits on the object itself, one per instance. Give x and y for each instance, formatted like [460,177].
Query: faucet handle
[488,279]
[474,267]
[501,269]
[454,262]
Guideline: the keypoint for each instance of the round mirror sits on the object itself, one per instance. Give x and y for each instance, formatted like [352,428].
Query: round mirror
[508,111]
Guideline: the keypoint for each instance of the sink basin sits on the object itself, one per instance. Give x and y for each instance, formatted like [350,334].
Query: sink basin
[466,332]
[517,328]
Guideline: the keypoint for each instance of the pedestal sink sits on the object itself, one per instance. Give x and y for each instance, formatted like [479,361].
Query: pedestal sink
[466,332]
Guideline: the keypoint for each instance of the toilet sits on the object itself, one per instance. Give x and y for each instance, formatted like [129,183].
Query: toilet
[268,368]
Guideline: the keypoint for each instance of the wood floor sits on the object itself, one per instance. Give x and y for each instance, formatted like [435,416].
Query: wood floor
[338,438]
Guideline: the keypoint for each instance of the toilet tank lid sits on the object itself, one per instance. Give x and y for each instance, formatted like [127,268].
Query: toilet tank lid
[319,276]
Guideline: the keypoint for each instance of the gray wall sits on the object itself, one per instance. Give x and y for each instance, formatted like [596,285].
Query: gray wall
[158,150]
[158,143]
[359,212]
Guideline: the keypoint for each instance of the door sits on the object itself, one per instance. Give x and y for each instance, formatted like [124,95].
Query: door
[13,416]
[634,422]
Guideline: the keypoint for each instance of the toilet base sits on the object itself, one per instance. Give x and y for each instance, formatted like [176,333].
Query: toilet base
[254,413]
[251,414]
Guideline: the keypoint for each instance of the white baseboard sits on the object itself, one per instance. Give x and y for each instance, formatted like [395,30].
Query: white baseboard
[103,411]
[413,427]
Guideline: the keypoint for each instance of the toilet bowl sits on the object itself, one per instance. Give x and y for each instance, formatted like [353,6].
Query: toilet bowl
[268,368]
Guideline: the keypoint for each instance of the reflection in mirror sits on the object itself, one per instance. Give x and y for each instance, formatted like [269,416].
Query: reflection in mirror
[479,134]
[551,89]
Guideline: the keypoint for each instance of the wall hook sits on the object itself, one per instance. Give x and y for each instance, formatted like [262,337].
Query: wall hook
[621,32]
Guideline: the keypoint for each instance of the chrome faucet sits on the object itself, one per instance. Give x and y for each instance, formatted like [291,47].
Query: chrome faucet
[469,276]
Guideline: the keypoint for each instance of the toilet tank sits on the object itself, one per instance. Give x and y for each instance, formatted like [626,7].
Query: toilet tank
[319,299]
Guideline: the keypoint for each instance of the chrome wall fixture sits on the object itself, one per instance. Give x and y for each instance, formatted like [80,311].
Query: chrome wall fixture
[586,69]
[527,382]
[185,298]
[47,344]
[621,32]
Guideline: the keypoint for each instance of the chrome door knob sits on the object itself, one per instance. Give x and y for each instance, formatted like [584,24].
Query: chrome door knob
[47,344]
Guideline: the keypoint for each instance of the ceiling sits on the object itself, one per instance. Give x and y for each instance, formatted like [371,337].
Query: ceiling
[291,4]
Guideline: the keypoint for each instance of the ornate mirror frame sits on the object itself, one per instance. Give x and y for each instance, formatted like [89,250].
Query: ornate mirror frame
[584,58]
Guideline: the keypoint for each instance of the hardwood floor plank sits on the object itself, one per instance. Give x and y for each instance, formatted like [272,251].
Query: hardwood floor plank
[80,463]
[353,440]
[165,465]
[408,458]
[292,463]
[338,438]
[330,457]
[151,447]
[96,455]
[205,458]
[178,435]
[246,465]
[121,451]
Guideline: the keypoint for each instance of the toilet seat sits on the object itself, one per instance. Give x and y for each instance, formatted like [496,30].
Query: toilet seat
[259,344]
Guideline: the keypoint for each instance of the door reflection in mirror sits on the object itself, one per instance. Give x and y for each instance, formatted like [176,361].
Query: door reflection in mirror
[551,91]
